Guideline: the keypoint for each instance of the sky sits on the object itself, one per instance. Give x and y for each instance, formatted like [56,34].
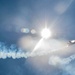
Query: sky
[32,15]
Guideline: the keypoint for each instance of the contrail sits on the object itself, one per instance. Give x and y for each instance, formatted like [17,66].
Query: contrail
[54,60]
[63,63]
[10,53]
[69,59]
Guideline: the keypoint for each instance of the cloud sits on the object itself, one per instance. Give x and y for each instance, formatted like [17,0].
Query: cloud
[63,63]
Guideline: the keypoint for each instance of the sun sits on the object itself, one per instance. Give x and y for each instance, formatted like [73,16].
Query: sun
[46,33]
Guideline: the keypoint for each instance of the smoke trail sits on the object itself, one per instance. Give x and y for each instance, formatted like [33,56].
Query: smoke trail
[55,59]
[63,63]
[13,52]
[20,54]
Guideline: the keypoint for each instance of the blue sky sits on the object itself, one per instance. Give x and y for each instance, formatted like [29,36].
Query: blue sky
[32,14]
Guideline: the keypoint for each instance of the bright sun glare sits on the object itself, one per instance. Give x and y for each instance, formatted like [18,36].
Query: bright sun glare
[46,33]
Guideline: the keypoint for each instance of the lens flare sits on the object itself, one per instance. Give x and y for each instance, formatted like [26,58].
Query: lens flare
[46,33]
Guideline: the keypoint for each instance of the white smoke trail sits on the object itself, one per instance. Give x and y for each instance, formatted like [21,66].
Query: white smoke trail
[55,59]
[14,53]
[63,63]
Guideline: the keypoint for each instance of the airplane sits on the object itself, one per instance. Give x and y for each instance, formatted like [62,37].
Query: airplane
[71,42]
